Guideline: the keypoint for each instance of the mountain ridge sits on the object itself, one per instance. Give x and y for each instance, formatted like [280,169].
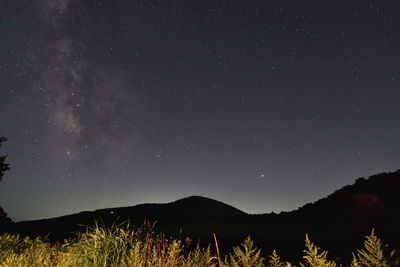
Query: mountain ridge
[179,203]
[337,222]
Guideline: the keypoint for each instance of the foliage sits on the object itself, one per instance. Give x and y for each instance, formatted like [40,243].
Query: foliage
[249,256]
[4,220]
[25,252]
[3,166]
[372,254]
[313,258]
[124,245]
[199,257]
[274,260]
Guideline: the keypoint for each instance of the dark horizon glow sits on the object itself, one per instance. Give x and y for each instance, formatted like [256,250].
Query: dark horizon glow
[263,105]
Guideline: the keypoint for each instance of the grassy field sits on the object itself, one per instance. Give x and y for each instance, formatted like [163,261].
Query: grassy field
[124,245]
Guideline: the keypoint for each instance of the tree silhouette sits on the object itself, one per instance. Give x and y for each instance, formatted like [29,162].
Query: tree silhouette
[3,166]
[4,220]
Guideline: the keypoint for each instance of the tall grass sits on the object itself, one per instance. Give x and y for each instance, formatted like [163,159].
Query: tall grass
[124,245]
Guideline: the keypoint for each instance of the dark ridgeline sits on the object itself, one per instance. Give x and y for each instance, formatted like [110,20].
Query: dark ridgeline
[337,223]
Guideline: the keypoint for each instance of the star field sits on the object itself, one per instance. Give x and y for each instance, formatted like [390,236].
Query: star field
[265,105]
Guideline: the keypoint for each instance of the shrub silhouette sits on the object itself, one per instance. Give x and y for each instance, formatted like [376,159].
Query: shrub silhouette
[4,220]
[3,166]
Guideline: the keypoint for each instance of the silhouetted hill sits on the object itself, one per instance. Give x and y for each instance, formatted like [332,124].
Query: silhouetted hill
[377,196]
[182,212]
[190,206]
[205,206]
[337,223]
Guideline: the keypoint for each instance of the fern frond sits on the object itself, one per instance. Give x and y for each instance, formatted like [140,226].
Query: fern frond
[372,254]
[274,260]
[313,258]
[248,255]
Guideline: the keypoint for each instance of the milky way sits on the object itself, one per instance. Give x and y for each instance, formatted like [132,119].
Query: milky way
[85,100]
[264,105]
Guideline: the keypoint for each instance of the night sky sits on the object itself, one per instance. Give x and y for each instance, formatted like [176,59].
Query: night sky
[264,105]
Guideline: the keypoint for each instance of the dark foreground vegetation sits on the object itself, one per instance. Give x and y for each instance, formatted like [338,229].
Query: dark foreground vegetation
[337,223]
[125,246]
